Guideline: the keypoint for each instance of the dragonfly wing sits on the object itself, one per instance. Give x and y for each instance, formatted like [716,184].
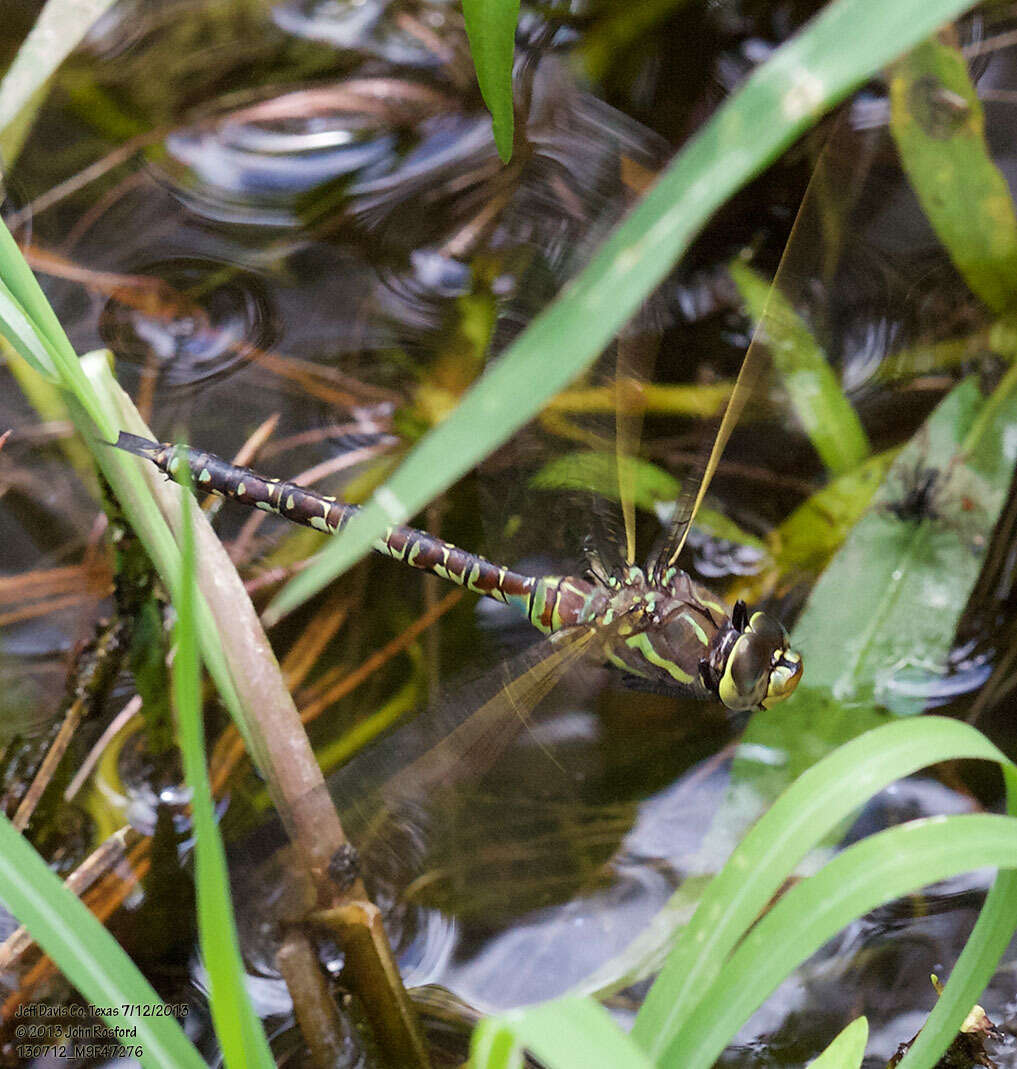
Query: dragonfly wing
[456,741]
[474,745]
[745,385]
[636,355]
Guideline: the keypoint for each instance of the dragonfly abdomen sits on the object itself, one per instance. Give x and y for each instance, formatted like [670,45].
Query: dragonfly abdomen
[539,598]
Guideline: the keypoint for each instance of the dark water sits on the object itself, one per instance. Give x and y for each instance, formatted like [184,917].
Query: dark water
[311,223]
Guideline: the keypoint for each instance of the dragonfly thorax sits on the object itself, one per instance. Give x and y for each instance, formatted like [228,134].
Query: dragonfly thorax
[673,631]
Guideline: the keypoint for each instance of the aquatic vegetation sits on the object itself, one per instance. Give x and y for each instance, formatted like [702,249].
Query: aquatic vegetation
[335,260]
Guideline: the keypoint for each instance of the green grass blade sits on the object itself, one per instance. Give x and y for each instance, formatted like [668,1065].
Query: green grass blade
[85,952]
[58,29]
[705,968]
[567,1033]
[847,1050]
[25,288]
[938,124]
[970,976]
[823,410]
[491,28]
[19,330]
[846,43]
[876,870]
[803,817]
[236,1025]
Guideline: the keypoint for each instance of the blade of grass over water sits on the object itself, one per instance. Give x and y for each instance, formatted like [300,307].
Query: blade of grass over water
[491,28]
[846,43]
[58,29]
[728,960]
[237,1026]
[802,818]
[937,121]
[85,952]
[847,1050]
[873,871]
[566,1033]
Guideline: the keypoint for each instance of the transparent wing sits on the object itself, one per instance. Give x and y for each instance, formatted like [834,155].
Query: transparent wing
[689,503]
[391,795]
[818,230]
[636,354]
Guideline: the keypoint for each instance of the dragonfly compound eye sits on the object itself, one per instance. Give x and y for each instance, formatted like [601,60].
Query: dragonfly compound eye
[761,670]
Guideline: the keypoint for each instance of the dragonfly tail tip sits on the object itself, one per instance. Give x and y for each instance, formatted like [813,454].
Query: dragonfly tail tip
[133,443]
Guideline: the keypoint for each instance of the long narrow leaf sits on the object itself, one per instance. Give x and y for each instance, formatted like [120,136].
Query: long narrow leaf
[846,43]
[491,28]
[85,952]
[873,871]
[236,1025]
[567,1033]
[804,815]
[58,29]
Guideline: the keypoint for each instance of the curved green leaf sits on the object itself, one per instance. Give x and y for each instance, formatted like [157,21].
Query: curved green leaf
[84,951]
[847,1050]
[802,818]
[491,28]
[939,127]
[873,871]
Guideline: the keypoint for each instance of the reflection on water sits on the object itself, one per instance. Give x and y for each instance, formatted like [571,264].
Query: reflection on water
[213,318]
[252,164]
[375,27]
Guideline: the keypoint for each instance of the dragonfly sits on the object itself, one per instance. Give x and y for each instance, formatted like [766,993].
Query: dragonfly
[654,622]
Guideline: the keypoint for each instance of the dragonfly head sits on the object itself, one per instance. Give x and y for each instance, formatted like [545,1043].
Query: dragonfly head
[757,667]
